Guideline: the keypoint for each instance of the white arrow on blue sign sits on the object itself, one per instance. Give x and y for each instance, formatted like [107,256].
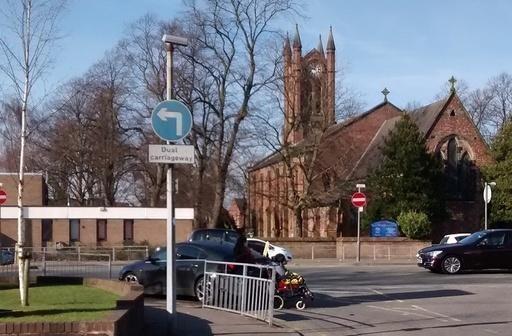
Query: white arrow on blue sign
[171,120]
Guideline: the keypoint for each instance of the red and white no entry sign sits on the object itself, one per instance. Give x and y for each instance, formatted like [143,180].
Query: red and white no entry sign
[3,197]
[358,199]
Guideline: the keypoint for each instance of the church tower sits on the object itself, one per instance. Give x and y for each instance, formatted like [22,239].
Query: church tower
[309,88]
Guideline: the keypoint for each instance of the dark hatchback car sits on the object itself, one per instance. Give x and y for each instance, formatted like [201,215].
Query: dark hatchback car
[190,256]
[488,249]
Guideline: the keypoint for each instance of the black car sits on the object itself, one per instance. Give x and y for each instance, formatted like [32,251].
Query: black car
[190,256]
[6,257]
[488,249]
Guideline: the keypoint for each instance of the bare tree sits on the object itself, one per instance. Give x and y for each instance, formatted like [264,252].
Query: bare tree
[232,35]
[32,28]
[500,88]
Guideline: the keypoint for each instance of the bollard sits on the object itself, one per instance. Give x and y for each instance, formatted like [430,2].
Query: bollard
[78,250]
[312,252]
[113,254]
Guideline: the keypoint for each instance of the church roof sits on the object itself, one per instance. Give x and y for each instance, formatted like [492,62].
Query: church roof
[373,153]
[277,156]
[426,116]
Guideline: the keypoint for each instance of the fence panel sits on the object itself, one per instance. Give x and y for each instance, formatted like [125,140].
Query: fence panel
[63,263]
[246,289]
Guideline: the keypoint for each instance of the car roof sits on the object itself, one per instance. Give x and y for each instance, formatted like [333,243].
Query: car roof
[457,234]
[257,239]
[223,247]
[215,229]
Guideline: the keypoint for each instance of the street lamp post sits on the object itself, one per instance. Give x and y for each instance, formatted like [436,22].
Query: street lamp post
[170,41]
[487,199]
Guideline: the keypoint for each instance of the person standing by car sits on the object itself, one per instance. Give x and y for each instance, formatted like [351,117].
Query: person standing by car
[241,251]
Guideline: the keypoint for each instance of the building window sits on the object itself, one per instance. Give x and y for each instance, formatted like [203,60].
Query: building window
[128,230]
[101,229]
[74,230]
[46,230]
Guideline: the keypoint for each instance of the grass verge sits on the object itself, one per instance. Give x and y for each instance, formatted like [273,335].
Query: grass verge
[59,303]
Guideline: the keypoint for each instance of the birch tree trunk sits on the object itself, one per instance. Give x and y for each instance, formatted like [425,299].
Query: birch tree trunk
[32,24]
[23,260]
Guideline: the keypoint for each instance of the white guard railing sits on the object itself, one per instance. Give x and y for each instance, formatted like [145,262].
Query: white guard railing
[246,289]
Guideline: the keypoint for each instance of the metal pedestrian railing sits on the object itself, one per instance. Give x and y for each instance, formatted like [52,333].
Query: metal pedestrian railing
[63,263]
[246,289]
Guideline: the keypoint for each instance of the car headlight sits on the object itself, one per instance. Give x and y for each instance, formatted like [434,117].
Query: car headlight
[434,254]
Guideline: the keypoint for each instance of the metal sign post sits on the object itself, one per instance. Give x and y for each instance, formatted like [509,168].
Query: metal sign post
[359,201]
[3,198]
[487,199]
[171,121]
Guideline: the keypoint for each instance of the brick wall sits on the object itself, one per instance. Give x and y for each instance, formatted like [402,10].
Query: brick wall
[151,230]
[346,248]
[461,125]
[33,194]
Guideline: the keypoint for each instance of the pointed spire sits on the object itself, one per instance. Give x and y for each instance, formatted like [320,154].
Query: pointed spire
[286,48]
[320,46]
[296,40]
[330,40]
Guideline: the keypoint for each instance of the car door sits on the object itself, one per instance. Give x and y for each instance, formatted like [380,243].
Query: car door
[154,271]
[189,264]
[493,252]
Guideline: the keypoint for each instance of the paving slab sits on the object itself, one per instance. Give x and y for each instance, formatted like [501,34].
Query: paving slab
[192,319]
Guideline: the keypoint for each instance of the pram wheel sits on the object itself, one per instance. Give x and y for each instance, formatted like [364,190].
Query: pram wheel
[278,302]
[300,305]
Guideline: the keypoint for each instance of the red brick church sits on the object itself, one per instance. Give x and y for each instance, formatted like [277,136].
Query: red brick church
[311,177]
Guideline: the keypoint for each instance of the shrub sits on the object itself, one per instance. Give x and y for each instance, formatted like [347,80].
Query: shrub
[415,225]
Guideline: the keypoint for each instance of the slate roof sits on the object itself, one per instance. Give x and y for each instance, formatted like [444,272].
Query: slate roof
[277,156]
[426,116]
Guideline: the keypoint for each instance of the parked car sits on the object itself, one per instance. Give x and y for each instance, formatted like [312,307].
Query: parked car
[488,249]
[453,238]
[6,257]
[218,235]
[190,256]
[274,252]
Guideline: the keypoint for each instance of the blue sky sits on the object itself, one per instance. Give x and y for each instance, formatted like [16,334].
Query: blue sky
[410,47]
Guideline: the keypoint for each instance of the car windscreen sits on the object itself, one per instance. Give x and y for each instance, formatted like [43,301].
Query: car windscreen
[444,240]
[472,238]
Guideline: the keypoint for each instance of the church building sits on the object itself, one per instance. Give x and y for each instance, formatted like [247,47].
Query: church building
[304,187]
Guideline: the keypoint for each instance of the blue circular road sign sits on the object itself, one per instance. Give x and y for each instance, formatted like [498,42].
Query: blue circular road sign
[171,120]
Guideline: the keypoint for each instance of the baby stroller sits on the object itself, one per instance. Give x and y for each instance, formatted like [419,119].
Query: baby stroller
[291,290]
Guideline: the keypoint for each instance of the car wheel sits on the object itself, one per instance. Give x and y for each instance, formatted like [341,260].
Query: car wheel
[451,264]
[199,289]
[131,277]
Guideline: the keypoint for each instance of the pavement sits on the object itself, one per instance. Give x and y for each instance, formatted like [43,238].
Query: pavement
[194,320]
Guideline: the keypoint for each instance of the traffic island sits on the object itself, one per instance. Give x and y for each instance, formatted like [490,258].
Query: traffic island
[73,306]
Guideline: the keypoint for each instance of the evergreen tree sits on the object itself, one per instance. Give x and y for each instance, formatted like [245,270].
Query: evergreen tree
[501,173]
[408,179]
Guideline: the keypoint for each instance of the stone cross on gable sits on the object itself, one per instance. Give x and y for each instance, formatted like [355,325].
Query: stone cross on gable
[385,92]
[452,81]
